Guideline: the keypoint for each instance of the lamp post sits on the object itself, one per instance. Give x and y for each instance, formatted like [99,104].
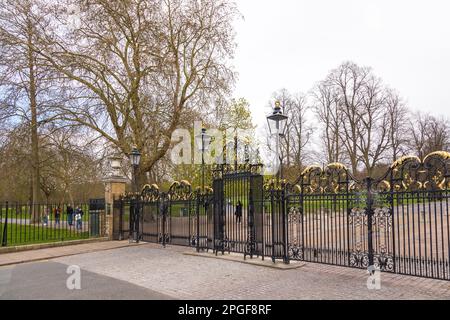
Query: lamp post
[277,125]
[135,158]
[203,141]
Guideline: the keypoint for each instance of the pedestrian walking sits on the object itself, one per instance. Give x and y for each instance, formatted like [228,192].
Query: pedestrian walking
[238,212]
[69,215]
[79,218]
[46,216]
[57,215]
[78,221]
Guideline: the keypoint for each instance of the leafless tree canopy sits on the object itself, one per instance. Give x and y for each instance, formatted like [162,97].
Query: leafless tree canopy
[130,71]
[137,65]
[366,124]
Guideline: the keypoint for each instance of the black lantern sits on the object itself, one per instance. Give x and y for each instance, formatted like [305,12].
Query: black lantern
[203,141]
[135,157]
[277,121]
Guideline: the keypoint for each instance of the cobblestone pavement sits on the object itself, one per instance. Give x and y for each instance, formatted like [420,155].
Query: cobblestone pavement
[49,253]
[172,273]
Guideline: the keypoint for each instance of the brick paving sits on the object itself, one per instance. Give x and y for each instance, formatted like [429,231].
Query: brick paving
[49,253]
[181,276]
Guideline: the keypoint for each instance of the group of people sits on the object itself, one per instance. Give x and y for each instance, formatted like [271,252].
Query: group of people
[73,215]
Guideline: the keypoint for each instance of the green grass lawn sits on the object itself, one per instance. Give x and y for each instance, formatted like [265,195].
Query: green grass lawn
[18,234]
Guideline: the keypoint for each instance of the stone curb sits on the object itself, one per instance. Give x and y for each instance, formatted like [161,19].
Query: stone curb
[255,262]
[38,246]
[48,257]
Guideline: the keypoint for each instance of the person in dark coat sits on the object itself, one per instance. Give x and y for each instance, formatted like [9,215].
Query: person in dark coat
[70,215]
[238,212]
[57,215]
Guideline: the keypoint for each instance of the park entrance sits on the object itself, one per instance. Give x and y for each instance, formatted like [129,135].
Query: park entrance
[398,222]
[238,211]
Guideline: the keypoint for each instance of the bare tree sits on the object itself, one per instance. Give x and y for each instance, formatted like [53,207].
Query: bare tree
[398,122]
[428,134]
[352,106]
[24,82]
[373,132]
[138,65]
[294,145]
[349,81]
[326,108]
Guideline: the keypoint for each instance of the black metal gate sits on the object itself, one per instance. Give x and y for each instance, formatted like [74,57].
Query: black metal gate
[239,210]
[397,223]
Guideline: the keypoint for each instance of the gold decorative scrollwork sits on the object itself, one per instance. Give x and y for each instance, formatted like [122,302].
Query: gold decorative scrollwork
[334,178]
[220,170]
[275,185]
[208,191]
[150,193]
[180,191]
[410,173]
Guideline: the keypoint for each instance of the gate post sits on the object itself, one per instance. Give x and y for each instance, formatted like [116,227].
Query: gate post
[114,188]
[369,213]
[137,218]
[198,220]
[5,228]
[251,236]
[121,235]
[285,228]
[272,211]
[164,207]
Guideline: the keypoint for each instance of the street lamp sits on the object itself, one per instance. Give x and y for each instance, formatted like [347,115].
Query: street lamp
[135,158]
[277,125]
[203,140]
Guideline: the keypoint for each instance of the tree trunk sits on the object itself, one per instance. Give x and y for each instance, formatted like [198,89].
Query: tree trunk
[34,126]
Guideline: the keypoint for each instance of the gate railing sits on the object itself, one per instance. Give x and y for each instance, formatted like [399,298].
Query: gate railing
[398,223]
[25,224]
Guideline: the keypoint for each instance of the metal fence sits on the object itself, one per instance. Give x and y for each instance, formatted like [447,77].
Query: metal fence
[22,224]
[398,223]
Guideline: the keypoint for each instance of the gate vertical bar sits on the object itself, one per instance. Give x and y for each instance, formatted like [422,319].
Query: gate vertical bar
[272,212]
[5,228]
[164,219]
[302,216]
[284,223]
[132,217]
[121,220]
[369,212]
[391,195]
[198,220]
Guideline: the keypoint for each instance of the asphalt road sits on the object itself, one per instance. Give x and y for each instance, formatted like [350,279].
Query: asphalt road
[47,281]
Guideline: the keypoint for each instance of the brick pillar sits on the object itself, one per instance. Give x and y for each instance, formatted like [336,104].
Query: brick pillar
[114,188]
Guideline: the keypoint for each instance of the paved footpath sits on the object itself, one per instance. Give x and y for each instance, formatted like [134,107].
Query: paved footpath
[181,276]
[49,253]
[171,273]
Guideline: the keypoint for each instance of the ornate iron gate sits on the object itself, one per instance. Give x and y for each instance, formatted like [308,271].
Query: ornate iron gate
[239,210]
[397,223]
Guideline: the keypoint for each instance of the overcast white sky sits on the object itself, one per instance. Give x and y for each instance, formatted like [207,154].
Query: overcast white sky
[294,43]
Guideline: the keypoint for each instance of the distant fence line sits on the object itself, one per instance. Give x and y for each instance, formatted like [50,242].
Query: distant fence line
[399,222]
[22,224]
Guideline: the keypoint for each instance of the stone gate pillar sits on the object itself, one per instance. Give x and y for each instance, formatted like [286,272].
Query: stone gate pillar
[115,185]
